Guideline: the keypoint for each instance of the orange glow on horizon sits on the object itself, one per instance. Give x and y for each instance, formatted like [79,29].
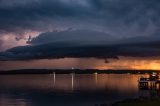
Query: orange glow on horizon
[132,64]
[85,63]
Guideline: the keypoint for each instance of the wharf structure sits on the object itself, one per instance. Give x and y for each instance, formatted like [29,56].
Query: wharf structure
[149,83]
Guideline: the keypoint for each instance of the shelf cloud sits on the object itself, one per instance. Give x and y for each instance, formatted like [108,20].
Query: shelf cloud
[111,21]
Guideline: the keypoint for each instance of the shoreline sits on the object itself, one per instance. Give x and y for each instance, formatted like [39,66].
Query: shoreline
[142,101]
[75,71]
[151,101]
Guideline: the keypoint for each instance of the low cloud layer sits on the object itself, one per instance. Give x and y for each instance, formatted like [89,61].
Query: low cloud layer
[72,49]
[81,37]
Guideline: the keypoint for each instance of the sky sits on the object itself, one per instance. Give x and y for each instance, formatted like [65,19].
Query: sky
[93,22]
[85,63]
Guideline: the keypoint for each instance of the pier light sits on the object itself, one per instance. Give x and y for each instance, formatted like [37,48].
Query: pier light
[73,68]
[95,73]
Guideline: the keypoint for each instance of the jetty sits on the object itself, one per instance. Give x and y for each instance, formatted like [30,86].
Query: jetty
[149,83]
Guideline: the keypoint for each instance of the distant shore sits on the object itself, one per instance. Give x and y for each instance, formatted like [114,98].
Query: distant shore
[76,71]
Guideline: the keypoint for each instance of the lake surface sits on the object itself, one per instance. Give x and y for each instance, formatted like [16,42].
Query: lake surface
[68,89]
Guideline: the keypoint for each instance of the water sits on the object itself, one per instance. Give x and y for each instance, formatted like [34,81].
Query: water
[67,89]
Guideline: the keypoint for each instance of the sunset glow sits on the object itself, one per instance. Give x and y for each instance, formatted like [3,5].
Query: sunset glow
[84,63]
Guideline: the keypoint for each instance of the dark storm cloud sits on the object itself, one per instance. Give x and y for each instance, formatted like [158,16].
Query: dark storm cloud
[114,15]
[79,36]
[118,18]
[36,14]
[67,49]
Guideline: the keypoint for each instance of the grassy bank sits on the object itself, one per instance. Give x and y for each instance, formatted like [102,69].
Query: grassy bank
[140,102]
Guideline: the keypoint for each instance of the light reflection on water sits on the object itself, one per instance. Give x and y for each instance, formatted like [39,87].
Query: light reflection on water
[70,89]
